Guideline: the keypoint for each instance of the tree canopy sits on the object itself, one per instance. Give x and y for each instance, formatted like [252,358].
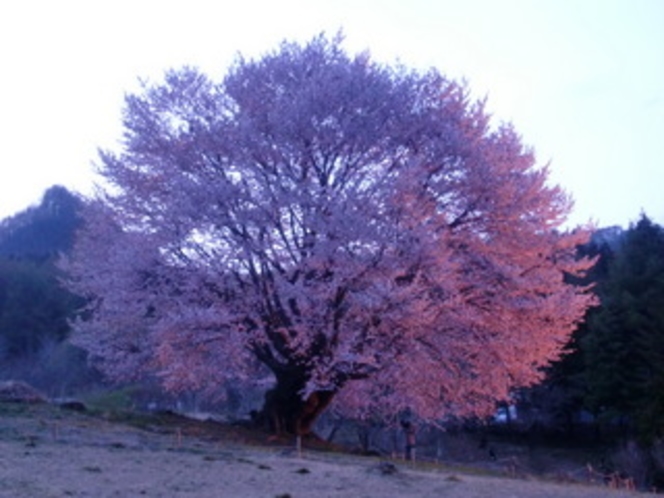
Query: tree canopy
[363,231]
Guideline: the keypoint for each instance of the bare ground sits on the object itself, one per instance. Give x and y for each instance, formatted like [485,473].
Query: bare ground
[47,452]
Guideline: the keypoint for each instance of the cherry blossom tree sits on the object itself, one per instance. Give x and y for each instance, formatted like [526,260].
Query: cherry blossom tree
[362,231]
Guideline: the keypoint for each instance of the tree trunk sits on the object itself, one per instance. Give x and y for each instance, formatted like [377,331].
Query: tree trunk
[285,412]
[411,439]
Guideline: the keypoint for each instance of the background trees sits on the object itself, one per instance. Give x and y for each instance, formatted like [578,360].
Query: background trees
[613,364]
[624,348]
[34,306]
[361,231]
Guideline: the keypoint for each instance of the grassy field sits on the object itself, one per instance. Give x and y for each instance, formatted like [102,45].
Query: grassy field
[46,451]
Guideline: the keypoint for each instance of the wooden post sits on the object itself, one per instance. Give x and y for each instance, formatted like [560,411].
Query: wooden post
[411,441]
[298,445]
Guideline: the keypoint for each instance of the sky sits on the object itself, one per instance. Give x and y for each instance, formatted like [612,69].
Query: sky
[581,80]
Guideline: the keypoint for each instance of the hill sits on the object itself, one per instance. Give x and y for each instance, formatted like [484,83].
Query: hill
[42,231]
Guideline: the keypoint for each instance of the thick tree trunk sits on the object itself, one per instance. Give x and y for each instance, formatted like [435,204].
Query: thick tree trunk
[285,412]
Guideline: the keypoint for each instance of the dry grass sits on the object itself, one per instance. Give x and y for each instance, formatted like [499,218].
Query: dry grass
[49,452]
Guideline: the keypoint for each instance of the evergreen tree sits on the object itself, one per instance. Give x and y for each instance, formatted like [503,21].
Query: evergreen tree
[624,346]
[34,308]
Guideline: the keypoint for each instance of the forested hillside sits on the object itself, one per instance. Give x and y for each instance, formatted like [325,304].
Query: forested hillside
[34,306]
[41,232]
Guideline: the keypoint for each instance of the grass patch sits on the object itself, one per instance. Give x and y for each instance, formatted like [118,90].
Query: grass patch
[14,409]
[115,401]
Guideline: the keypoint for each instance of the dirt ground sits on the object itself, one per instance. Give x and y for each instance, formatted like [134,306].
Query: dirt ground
[48,452]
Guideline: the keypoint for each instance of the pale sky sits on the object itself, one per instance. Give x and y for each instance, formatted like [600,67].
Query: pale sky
[582,80]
